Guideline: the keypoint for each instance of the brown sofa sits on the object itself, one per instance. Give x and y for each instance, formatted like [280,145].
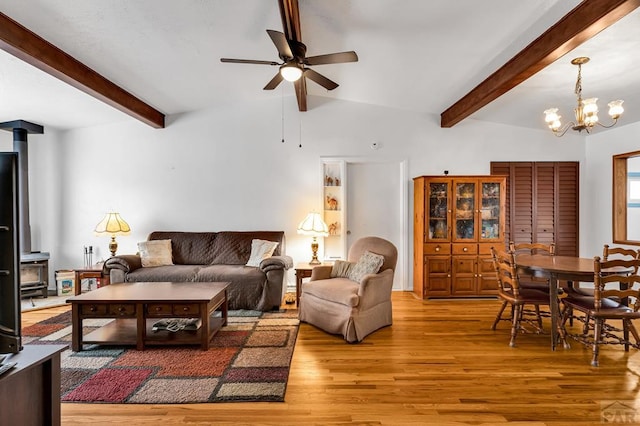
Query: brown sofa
[215,256]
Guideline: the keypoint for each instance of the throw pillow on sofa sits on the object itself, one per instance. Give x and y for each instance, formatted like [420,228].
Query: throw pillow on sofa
[260,250]
[369,263]
[155,253]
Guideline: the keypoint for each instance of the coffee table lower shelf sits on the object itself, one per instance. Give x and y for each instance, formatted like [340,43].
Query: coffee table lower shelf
[135,307]
[123,331]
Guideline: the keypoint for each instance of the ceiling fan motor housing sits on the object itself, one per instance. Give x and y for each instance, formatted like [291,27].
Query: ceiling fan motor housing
[298,49]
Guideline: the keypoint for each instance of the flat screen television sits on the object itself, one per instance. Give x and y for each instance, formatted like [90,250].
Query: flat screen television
[10,310]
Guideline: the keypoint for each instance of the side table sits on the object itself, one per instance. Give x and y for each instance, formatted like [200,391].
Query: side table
[85,273]
[303,270]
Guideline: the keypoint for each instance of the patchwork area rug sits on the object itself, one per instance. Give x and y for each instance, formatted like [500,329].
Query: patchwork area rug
[248,360]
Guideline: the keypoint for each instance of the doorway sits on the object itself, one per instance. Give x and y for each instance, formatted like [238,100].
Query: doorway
[377,206]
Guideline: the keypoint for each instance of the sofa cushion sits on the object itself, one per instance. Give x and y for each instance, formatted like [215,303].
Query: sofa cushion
[260,250]
[339,290]
[247,283]
[234,248]
[178,273]
[189,248]
[155,253]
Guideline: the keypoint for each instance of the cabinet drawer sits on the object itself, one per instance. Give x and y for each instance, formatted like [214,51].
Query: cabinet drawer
[464,248]
[122,309]
[485,248]
[159,309]
[186,309]
[437,248]
[88,310]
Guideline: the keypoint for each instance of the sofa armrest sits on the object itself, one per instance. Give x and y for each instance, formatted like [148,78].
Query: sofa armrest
[125,263]
[376,288]
[276,262]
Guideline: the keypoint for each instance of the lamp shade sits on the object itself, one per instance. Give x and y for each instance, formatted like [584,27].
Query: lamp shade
[112,224]
[313,225]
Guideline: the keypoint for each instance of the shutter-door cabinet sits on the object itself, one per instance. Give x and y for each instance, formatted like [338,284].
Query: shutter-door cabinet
[542,203]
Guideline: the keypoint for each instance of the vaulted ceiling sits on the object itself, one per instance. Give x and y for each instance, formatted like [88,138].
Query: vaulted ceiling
[416,55]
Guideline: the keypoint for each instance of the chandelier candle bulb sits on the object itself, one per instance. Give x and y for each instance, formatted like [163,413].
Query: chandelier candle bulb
[615,109]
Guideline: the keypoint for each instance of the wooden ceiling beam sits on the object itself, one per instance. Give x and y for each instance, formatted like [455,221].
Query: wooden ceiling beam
[33,49]
[583,22]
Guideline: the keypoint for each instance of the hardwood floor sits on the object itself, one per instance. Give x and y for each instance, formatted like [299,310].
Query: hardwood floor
[439,364]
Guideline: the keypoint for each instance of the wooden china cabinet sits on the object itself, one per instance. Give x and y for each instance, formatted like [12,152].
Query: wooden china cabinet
[457,219]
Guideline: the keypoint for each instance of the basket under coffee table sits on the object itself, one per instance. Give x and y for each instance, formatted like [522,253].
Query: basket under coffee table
[137,306]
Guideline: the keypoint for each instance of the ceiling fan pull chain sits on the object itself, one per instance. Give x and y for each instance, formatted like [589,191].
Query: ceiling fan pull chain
[282,98]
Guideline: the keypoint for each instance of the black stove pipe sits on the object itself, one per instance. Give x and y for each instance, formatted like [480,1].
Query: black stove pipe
[20,130]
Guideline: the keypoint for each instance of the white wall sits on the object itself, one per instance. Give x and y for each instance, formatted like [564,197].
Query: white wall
[227,169]
[598,182]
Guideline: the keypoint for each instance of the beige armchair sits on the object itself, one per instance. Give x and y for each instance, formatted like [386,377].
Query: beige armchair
[353,309]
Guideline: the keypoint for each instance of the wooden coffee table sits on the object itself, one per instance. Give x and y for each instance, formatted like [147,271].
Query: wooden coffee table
[137,306]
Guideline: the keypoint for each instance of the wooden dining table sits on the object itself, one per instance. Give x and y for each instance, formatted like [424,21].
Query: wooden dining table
[555,269]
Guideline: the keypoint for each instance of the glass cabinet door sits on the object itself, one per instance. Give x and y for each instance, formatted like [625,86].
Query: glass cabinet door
[438,210]
[465,207]
[490,211]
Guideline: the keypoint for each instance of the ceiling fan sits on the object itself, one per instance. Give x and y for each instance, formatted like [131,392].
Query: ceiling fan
[292,52]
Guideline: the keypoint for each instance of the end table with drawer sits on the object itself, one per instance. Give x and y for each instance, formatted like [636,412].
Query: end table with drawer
[85,273]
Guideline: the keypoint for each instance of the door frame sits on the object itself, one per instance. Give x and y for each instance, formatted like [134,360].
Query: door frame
[403,247]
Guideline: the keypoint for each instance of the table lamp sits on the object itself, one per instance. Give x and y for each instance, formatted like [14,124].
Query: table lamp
[113,225]
[313,225]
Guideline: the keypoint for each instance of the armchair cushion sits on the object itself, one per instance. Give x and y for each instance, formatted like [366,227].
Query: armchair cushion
[369,263]
[337,290]
[341,269]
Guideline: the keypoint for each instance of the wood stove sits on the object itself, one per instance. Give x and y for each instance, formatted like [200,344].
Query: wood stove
[34,273]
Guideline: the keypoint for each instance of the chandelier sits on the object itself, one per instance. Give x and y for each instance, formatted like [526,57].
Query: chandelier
[586,111]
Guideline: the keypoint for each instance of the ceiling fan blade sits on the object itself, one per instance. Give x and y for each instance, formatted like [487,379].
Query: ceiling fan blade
[248,61]
[301,93]
[332,58]
[320,79]
[277,79]
[281,43]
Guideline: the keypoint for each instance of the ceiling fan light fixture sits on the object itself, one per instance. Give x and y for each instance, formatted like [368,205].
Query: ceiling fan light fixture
[291,71]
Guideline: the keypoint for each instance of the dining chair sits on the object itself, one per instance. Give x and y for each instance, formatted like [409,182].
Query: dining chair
[610,292]
[511,293]
[529,281]
[608,253]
